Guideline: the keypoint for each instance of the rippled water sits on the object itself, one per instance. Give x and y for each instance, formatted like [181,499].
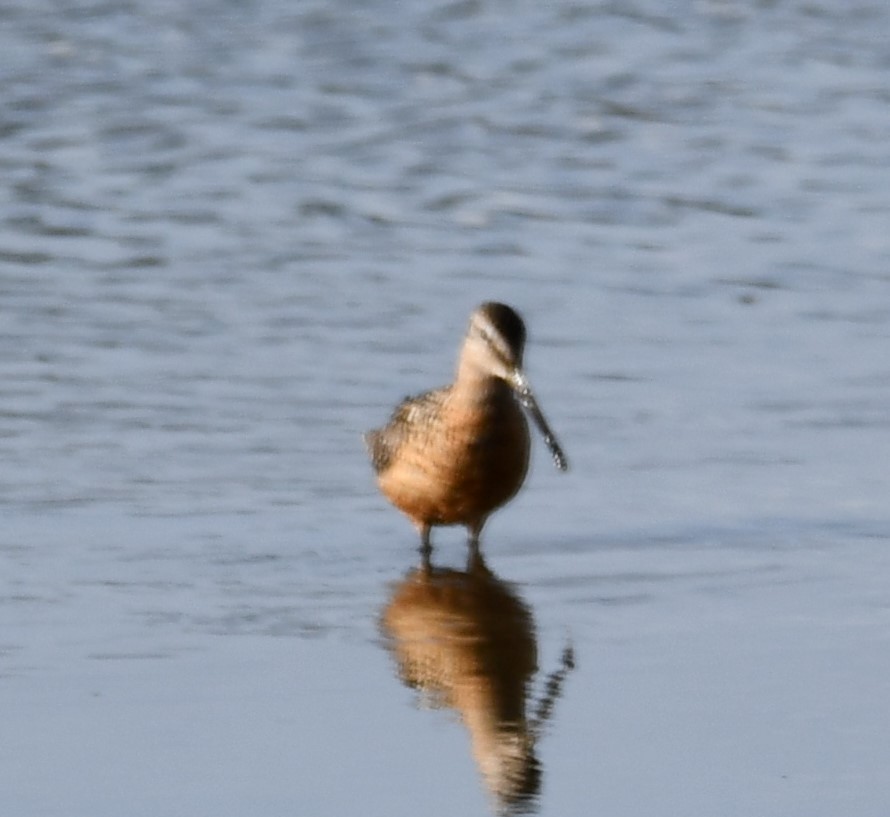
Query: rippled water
[233,234]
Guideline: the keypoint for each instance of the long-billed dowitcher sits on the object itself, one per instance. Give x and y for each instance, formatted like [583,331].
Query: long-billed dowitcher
[466,640]
[453,455]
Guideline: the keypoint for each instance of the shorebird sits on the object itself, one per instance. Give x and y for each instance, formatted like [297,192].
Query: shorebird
[466,640]
[454,455]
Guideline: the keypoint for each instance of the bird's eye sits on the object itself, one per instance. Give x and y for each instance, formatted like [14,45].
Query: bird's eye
[483,333]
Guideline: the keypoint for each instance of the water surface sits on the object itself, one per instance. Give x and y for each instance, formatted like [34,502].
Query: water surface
[233,235]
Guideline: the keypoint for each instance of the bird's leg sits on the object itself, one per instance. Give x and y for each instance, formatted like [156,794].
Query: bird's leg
[473,553]
[426,549]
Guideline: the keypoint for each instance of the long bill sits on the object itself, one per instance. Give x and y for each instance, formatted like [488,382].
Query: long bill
[526,397]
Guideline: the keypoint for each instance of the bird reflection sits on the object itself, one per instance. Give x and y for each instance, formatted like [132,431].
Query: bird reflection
[466,641]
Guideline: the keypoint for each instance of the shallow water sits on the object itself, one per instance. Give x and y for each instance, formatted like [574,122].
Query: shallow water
[233,235]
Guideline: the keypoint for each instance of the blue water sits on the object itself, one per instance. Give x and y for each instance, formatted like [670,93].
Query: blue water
[232,236]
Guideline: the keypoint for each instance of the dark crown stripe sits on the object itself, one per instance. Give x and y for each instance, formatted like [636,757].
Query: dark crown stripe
[507,323]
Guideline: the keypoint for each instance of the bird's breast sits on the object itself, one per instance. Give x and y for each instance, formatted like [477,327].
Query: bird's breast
[461,463]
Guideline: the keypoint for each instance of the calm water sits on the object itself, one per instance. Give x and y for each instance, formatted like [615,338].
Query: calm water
[233,234]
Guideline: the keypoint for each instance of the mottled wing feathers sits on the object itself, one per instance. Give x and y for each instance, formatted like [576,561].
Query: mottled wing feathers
[410,417]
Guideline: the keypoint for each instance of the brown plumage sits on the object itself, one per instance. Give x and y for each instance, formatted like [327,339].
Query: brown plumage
[466,640]
[453,455]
